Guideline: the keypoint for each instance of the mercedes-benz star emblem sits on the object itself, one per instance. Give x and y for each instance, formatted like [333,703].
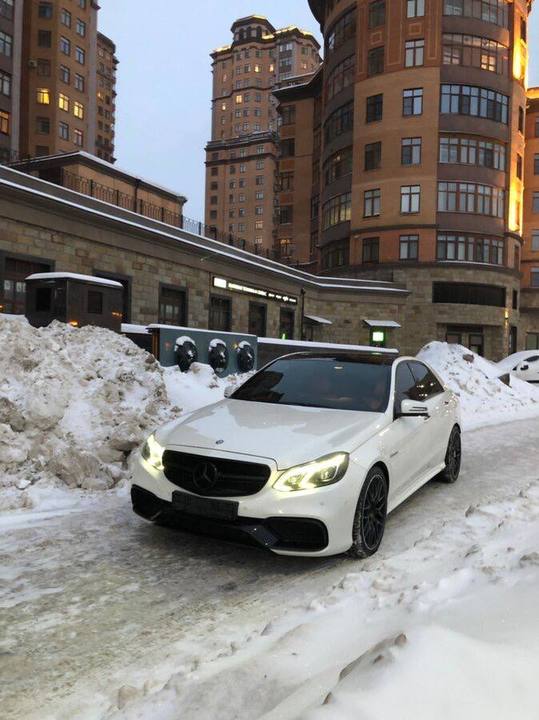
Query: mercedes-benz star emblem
[205,476]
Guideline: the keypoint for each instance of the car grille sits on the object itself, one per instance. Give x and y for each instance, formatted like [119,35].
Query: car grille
[214,477]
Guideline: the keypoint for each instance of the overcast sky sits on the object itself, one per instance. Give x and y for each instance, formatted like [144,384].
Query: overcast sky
[164,80]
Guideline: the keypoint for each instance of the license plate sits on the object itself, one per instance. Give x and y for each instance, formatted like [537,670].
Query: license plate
[205,507]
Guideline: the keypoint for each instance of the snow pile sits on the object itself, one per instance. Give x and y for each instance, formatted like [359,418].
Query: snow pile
[484,398]
[75,402]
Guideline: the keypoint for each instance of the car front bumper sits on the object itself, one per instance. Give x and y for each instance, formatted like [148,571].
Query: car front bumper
[314,522]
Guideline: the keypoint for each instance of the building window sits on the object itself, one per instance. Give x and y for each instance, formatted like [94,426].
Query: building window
[341,77]
[521,120]
[286,324]
[288,115]
[335,254]
[286,247]
[338,165]
[413,53]
[469,248]
[43,125]
[534,277]
[535,202]
[371,250]
[63,102]
[373,156]
[43,96]
[6,44]
[81,28]
[469,151]
[287,181]
[492,11]
[94,302]
[259,210]
[411,151]
[372,203]
[519,166]
[475,51]
[44,11]
[5,84]
[64,131]
[343,30]
[412,101]
[79,82]
[286,214]
[375,108]
[78,110]
[535,240]
[172,306]
[5,119]
[339,122]
[80,55]
[65,74]
[409,247]
[78,138]
[220,313]
[474,101]
[468,294]
[377,13]
[375,61]
[44,38]
[65,46]
[65,17]
[415,8]
[532,341]
[13,286]
[337,210]
[288,148]
[43,68]
[465,197]
[410,198]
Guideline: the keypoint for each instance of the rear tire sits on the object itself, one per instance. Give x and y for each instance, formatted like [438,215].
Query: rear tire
[453,458]
[370,518]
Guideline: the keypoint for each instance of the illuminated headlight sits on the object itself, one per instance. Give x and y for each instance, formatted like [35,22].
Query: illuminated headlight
[152,452]
[324,471]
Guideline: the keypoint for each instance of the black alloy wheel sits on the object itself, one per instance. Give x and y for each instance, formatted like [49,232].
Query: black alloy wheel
[370,518]
[453,458]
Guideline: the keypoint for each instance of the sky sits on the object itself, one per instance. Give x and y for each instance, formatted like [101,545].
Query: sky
[164,80]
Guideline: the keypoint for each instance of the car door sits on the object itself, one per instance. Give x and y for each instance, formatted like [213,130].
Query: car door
[406,441]
[430,392]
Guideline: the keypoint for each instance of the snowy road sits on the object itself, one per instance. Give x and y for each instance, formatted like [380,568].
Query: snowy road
[96,603]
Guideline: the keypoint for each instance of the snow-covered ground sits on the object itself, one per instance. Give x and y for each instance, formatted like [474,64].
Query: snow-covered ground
[104,616]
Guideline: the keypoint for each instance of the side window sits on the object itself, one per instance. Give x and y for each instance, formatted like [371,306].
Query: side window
[426,385]
[404,383]
[535,358]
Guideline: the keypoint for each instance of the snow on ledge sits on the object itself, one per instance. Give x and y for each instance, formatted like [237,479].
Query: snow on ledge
[74,276]
[314,346]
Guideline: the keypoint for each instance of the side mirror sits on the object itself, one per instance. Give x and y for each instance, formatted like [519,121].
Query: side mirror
[229,390]
[410,408]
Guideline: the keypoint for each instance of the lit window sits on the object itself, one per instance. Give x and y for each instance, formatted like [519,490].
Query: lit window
[4,122]
[78,110]
[43,96]
[63,102]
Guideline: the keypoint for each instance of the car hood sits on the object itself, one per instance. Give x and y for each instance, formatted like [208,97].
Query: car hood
[287,434]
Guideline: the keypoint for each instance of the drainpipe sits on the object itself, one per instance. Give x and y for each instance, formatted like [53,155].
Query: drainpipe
[302,336]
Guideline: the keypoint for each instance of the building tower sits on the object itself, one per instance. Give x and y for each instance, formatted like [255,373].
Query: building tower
[241,158]
[106,98]
[421,174]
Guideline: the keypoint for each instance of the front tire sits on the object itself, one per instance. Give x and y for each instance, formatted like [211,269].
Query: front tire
[370,518]
[453,458]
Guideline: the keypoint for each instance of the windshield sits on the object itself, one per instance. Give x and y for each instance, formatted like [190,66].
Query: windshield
[324,382]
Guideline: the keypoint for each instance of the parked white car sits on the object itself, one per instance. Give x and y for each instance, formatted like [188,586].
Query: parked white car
[307,457]
[524,364]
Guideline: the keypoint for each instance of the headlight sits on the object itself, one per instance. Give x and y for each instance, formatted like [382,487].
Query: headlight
[152,452]
[324,471]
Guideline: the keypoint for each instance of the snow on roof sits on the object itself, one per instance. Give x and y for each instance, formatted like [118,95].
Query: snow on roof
[74,276]
[321,345]
[242,256]
[381,323]
[319,320]
[134,329]
[157,326]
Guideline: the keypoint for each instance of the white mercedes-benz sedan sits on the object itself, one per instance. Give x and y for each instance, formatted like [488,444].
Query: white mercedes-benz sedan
[307,457]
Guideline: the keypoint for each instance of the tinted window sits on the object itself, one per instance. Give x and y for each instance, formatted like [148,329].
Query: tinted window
[535,358]
[326,382]
[95,302]
[404,383]
[426,384]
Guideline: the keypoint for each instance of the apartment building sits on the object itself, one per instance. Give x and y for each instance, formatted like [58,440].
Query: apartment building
[418,117]
[52,86]
[242,155]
